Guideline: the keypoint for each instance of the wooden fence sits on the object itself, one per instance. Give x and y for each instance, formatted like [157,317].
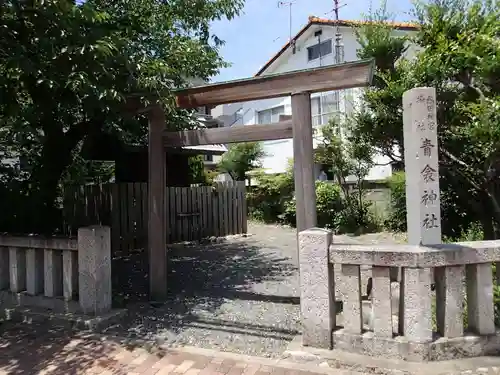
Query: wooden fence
[192,213]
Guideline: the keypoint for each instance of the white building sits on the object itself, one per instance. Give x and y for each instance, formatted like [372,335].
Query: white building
[313,46]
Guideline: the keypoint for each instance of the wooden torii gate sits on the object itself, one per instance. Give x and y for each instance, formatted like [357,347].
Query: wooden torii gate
[297,84]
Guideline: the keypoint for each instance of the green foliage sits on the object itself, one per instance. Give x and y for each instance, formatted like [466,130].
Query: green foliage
[242,158]
[328,206]
[458,53]
[268,198]
[347,155]
[197,170]
[456,224]
[66,70]
[396,219]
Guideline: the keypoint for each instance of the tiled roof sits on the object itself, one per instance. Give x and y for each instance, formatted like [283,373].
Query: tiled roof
[324,21]
[395,25]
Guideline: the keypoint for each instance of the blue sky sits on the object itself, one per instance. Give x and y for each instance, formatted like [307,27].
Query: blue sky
[263,28]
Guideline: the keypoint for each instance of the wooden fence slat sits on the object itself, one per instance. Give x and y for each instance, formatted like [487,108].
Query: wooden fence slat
[130,216]
[220,208]
[244,215]
[115,218]
[173,220]
[236,205]
[232,207]
[124,188]
[178,208]
[217,210]
[224,206]
[136,220]
[184,220]
[199,208]
[227,217]
[166,203]
[195,207]
[144,213]
[206,207]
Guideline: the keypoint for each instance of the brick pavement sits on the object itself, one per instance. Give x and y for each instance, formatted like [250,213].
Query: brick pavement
[25,350]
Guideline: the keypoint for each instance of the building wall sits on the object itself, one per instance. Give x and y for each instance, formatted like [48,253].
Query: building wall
[279,152]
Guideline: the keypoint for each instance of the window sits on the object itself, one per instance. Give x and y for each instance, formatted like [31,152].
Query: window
[270,115]
[208,157]
[324,108]
[320,49]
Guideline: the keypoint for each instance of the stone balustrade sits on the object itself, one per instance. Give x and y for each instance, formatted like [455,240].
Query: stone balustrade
[61,274]
[399,321]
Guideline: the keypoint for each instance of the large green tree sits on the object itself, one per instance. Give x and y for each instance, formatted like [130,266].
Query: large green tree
[457,51]
[67,68]
[347,156]
[242,158]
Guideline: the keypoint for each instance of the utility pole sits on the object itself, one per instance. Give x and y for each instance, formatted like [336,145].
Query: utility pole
[339,46]
[339,50]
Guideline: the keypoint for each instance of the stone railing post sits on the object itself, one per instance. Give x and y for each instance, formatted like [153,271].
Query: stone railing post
[481,311]
[4,268]
[94,269]
[317,290]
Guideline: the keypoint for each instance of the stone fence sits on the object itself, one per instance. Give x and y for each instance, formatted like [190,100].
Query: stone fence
[64,275]
[399,321]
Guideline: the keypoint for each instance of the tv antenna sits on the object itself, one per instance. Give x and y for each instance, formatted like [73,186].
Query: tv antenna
[335,10]
[288,4]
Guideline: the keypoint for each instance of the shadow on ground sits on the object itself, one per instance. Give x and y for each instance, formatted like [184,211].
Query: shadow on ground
[35,348]
[201,278]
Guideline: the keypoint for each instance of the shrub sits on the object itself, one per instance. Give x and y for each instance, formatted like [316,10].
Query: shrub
[266,201]
[328,205]
[396,219]
[357,217]
[455,223]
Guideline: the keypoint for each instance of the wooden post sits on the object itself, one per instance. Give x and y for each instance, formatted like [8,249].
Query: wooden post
[305,188]
[156,207]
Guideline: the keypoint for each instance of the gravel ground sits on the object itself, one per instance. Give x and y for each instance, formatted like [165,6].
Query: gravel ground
[240,296]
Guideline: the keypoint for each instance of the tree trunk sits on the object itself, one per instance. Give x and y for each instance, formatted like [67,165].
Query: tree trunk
[44,217]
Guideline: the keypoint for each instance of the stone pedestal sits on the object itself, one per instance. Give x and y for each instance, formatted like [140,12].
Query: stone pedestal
[94,269]
[317,300]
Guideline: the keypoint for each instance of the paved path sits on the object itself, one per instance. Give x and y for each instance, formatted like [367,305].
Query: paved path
[240,296]
[38,349]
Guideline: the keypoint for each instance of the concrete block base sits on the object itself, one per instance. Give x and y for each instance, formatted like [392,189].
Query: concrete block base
[23,299]
[399,348]
[23,307]
[348,362]
[73,321]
